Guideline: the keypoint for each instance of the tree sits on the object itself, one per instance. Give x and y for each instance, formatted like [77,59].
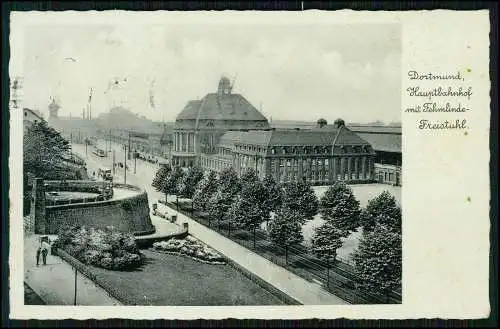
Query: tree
[249,209]
[339,207]
[285,229]
[218,206]
[228,187]
[378,260]
[325,242]
[204,190]
[160,178]
[273,194]
[299,196]
[171,182]
[187,185]
[228,181]
[383,210]
[44,150]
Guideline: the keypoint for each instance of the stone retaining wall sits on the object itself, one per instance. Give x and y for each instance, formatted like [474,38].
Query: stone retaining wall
[130,214]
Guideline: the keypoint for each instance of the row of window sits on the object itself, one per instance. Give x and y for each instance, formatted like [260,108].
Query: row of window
[318,176]
[305,149]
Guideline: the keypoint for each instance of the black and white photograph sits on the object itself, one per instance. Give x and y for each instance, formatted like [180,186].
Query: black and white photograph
[211,165]
[207,164]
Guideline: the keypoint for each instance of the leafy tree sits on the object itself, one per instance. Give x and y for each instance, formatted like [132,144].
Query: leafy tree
[285,229]
[325,242]
[218,205]
[249,210]
[170,185]
[44,150]
[160,177]
[299,196]
[339,207]
[228,188]
[228,181]
[204,190]
[378,260]
[273,194]
[383,210]
[188,183]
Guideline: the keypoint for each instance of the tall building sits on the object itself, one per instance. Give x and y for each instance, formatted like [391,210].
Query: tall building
[200,125]
[319,156]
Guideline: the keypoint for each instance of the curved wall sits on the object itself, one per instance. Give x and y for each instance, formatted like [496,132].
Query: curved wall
[130,214]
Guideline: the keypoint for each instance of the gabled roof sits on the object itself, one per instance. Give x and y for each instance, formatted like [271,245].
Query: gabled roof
[35,113]
[221,107]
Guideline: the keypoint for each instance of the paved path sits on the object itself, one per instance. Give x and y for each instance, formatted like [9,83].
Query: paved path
[55,282]
[308,293]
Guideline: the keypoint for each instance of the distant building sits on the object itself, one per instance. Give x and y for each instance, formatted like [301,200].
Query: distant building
[200,125]
[31,116]
[387,143]
[319,156]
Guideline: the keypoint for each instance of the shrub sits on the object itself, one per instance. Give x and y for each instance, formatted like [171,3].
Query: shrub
[104,248]
[192,247]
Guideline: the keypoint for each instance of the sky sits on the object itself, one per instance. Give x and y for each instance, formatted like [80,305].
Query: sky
[294,72]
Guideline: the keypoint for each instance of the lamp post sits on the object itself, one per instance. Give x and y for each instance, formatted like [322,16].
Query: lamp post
[76,273]
[125,169]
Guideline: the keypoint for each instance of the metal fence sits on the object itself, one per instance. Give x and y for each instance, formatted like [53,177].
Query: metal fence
[339,278]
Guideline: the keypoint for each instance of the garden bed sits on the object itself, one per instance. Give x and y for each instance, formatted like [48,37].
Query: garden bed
[190,247]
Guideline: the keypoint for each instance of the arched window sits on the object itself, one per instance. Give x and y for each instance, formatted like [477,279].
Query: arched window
[273,151]
[283,150]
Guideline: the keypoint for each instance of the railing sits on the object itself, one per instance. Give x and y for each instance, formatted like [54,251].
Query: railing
[339,278]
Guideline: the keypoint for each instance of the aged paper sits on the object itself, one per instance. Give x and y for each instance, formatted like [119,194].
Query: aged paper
[444,113]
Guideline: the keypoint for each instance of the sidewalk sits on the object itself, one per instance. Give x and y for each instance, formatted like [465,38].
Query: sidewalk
[306,292]
[55,282]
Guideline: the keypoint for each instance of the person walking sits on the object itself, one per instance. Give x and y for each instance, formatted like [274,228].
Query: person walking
[45,251]
[38,251]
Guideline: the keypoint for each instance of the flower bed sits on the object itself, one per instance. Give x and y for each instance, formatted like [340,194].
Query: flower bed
[108,248]
[192,248]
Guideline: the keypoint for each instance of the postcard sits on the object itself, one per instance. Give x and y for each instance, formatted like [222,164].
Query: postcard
[262,165]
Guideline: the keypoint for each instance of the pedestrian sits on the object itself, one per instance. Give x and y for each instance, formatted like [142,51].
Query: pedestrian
[45,251]
[38,251]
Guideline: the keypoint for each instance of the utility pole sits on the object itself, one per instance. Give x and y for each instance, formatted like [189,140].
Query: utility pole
[125,169]
[86,143]
[135,161]
[128,154]
[113,168]
[74,301]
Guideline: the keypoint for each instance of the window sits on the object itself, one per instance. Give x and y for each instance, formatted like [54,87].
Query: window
[288,163]
[273,151]
[283,151]
[313,163]
[326,162]
[35,121]
[25,114]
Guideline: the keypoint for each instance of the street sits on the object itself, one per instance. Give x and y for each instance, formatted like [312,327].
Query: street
[306,292]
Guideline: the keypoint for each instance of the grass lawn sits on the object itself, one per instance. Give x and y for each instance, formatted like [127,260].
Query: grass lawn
[30,297]
[180,281]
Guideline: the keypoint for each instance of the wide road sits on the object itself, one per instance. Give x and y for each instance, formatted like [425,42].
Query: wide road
[307,293]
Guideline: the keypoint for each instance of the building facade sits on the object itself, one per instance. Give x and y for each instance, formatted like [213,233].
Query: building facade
[320,157]
[31,116]
[387,143]
[201,124]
